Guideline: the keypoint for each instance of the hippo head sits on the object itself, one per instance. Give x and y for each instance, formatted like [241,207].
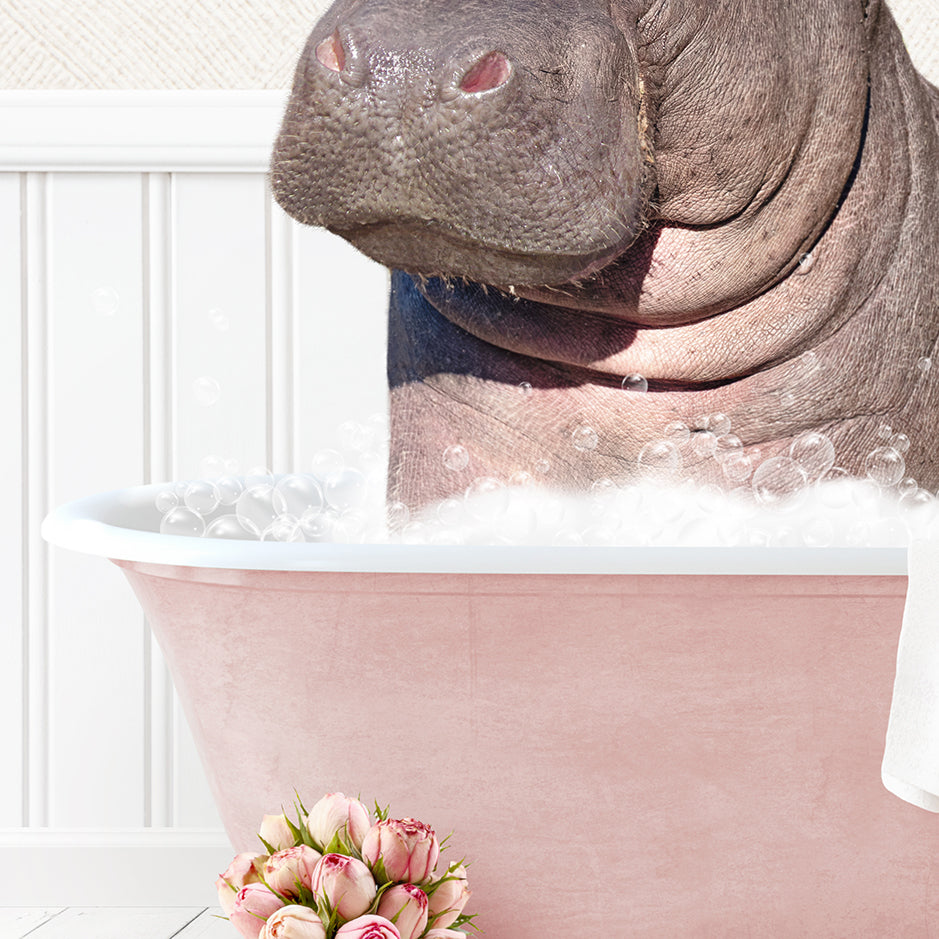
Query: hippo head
[452,139]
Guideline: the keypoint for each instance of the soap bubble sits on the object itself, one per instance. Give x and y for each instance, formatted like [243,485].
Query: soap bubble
[255,508]
[659,461]
[397,515]
[456,458]
[884,431]
[885,466]
[677,431]
[284,528]
[182,521]
[228,527]
[718,424]
[900,443]
[228,489]
[634,383]
[703,443]
[814,452]
[525,388]
[259,476]
[355,436]
[737,466]
[105,301]
[202,497]
[449,512]
[486,498]
[542,467]
[907,485]
[584,438]
[326,462]
[298,495]
[319,527]
[924,364]
[165,500]
[727,446]
[206,390]
[346,489]
[521,478]
[778,479]
[817,532]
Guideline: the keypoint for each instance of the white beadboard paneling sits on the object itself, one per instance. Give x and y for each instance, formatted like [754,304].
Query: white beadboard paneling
[192,799]
[220,320]
[12,555]
[342,328]
[126,868]
[96,423]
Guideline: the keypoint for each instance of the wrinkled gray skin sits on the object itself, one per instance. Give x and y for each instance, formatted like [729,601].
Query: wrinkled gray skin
[587,189]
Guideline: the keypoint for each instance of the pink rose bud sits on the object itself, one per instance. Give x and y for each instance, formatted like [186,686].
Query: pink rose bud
[242,870]
[345,883]
[254,903]
[407,848]
[335,814]
[444,934]
[283,869]
[294,922]
[447,900]
[406,906]
[276,832]
[368,927]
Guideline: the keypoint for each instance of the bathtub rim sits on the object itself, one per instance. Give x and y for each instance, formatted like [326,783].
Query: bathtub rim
[104,525]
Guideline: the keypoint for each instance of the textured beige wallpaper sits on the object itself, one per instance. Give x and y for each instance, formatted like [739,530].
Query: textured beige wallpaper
[220,43]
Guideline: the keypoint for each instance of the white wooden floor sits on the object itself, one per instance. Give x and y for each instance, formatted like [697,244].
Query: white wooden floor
[114,923]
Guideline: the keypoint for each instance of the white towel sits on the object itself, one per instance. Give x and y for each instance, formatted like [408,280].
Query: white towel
[911,757]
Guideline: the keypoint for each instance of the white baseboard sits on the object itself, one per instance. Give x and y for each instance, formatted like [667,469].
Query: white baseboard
[128,867]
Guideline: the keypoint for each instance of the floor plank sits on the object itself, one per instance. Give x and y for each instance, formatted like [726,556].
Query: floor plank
[111,923]
[208,926]
[17,922]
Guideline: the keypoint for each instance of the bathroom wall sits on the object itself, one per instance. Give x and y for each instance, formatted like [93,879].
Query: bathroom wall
[155,309]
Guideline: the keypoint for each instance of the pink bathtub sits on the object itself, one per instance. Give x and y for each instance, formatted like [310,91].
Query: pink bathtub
[625,742]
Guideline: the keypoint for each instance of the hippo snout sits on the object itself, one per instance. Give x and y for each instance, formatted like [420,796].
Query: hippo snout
[454,145]
[343,55]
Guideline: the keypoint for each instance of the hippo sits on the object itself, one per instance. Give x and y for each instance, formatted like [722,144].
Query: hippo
[624,229]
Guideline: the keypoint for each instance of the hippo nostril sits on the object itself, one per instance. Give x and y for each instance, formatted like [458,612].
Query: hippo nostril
[331,53]
[491,71]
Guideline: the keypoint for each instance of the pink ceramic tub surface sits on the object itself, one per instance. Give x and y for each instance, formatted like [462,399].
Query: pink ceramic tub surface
[620,750]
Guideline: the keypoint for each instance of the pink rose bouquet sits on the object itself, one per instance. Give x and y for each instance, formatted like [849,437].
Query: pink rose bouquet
[340,873]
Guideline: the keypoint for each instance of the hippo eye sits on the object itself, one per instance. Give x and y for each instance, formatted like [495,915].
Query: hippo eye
[331,54]
[489,72]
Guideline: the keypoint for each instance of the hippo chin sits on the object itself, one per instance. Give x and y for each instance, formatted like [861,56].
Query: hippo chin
[733,203]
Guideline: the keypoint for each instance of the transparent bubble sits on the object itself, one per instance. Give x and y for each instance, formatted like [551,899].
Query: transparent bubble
[206,390]
[456,458]
[105,301]
[907,485]
[814,452]
[211,467]
[542,467]
[677,431]
[924,364]
[449,512]
[917,498]
[885,466]
[521,478]
[229,528]
[415,533]
[709,498]
[255,508]
[518,522]
[884,431]
[326,462]
[777,480]
[806,263]
[703,443]
[166,499]
[737,467]
[397,515]
[634,383]
[285,528]
[728,446]
[202,497]
[228,489]
[525,388]
[834,489]
[659,461]
[349,527]
[319,527]
[718,424]
[584,438]
[858,534]
[346,490]
[219,320]
[298,495]
[900,443]
[182,521]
